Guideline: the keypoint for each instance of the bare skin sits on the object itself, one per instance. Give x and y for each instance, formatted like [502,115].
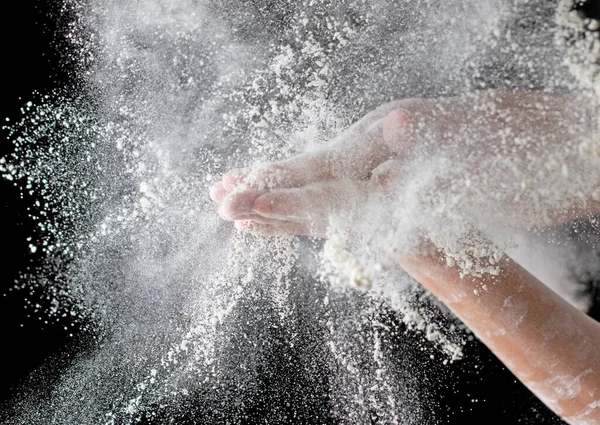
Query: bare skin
[549,345]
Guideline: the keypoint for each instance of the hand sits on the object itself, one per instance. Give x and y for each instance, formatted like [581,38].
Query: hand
[297,196]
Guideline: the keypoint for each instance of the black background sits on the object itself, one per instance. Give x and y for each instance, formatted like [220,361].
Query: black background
[34,62]
[35,59]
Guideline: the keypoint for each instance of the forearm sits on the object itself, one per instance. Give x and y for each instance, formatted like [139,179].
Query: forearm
[550,346]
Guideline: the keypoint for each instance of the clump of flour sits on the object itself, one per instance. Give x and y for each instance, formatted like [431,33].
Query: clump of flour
[579,34]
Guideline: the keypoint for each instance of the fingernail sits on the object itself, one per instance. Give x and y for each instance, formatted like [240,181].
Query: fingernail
[398,128]
[263,204]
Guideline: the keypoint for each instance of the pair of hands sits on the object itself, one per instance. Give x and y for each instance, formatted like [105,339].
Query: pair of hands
[297,196]
[549,345]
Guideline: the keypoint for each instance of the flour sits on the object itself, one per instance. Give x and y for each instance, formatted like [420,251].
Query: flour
[580,35]
[186,316]
[343,267]
[262,179]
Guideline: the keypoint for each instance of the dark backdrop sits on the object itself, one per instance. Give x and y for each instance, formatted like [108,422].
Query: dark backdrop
[33,62]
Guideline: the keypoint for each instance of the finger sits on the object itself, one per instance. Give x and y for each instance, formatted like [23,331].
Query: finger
[238,205]
[386,173]
[399,130]
[259,219]
[287,173]
[286,204]
[352,160]
[218,193]
[234,177]
[313,202]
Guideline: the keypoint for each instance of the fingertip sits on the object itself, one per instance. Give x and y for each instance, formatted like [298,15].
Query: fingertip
[399,117]
[233,178]
[218,193]
[236,206]
[398,128]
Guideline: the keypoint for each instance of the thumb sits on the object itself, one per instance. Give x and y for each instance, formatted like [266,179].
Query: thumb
[399,130]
